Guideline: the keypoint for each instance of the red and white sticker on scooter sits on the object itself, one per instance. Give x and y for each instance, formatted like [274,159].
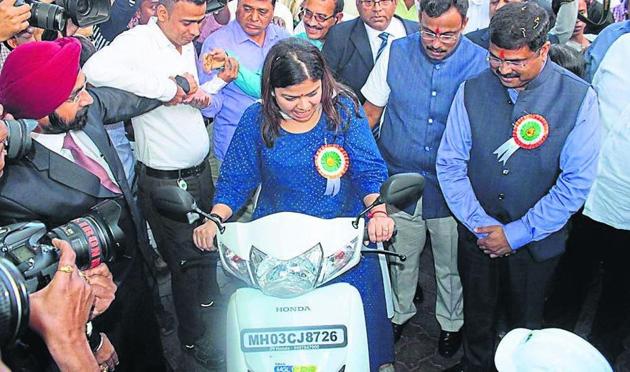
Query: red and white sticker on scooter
[293,338]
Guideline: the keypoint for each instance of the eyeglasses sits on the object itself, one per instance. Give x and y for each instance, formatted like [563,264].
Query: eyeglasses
[444,38]
[74,97]
[372,3]
[307,14]
[496,62]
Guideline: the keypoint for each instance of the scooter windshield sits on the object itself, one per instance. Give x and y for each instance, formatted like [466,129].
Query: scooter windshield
[287,254]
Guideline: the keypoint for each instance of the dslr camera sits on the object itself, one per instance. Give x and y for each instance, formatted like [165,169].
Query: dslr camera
[54,16]
[28,261]
[215,5]
[18,142]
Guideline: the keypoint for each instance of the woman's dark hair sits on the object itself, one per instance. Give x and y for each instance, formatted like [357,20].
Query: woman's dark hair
[520,24]
[290,62]
[568,58]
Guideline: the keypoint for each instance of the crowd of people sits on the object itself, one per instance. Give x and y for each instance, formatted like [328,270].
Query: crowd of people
[516,113]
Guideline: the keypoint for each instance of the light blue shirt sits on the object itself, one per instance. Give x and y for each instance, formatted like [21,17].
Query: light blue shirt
[609,199]
[230,103]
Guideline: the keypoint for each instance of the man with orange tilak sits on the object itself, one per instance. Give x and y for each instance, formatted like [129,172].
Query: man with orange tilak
[518,157]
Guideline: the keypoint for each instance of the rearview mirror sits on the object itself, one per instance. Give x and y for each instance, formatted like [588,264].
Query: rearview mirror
[398,190]
[402,189]
[173,200]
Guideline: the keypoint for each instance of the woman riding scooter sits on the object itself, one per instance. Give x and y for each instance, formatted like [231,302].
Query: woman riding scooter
[309,147]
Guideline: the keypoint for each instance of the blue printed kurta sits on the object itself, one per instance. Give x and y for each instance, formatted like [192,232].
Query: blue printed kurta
[290,183]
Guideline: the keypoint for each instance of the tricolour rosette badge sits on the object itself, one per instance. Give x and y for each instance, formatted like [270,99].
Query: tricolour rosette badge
[332,162]
[530,131]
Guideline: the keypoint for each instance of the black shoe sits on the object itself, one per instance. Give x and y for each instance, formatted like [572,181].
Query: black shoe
[419,296]
[206,355]
[459,367]
[398,329]
[449,343]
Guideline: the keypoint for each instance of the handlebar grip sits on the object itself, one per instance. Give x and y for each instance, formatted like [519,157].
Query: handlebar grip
[367,237]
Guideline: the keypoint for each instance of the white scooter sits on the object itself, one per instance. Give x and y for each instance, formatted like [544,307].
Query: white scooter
[287,320]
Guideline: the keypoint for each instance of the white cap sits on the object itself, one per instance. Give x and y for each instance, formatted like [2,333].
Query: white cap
[547,350]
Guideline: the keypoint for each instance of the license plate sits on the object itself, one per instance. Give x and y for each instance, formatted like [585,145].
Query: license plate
[294,338]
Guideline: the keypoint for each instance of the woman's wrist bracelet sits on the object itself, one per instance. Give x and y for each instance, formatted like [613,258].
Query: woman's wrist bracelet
[373,213]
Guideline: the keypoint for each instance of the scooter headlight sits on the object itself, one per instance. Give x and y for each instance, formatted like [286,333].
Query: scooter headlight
[286,278]
[235,264]
[338,260]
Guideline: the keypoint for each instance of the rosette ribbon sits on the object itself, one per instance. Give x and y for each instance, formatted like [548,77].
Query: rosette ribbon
[530,131]
[332,162]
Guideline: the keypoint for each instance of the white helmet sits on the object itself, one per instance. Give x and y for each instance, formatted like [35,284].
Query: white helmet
[547,350]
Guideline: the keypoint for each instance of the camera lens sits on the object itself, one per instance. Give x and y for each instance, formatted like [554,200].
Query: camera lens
[47,16]
[19,138]
[83,7]
[14,311]
[93,236]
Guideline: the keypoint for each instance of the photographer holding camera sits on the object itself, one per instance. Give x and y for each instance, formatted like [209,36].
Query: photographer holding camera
[13,19]
[72,167]
[57,312]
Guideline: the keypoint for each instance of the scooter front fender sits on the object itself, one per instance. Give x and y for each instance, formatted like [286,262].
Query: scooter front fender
[321,331]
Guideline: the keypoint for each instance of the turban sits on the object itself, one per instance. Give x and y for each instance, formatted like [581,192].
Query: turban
[38,77]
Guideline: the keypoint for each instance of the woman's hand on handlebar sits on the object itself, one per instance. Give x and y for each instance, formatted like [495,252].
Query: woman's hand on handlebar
[380,228]
[203,236]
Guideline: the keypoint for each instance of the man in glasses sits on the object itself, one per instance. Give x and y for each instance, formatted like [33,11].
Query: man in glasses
[318,17]
[352,47]
[246,40]
[72,166]
[434,62]
[517,159]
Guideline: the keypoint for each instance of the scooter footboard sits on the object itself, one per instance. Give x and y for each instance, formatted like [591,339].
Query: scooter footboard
[321,331]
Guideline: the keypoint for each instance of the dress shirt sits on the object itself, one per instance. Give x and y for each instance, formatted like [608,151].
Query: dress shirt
[54,143]
[609,200]
[578,162]
[396,30]
[229,104]
[141,61]
[118,136]
[597,51]
[478,15]
[376,90]
[280,10]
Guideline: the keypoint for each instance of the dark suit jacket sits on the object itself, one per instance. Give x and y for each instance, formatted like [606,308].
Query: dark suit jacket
[348,53]
[480,37]
[47,187]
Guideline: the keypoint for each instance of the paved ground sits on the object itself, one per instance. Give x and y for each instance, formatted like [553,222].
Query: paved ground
[417,349]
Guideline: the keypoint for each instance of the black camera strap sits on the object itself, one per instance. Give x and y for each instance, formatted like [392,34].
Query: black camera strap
[602,18]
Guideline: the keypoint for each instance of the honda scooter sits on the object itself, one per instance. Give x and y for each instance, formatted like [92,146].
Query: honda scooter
[287,319]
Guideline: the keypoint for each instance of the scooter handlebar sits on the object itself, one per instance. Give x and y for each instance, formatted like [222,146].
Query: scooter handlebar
[386,245]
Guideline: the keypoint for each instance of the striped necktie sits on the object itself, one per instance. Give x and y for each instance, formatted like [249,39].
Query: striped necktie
[383,36]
